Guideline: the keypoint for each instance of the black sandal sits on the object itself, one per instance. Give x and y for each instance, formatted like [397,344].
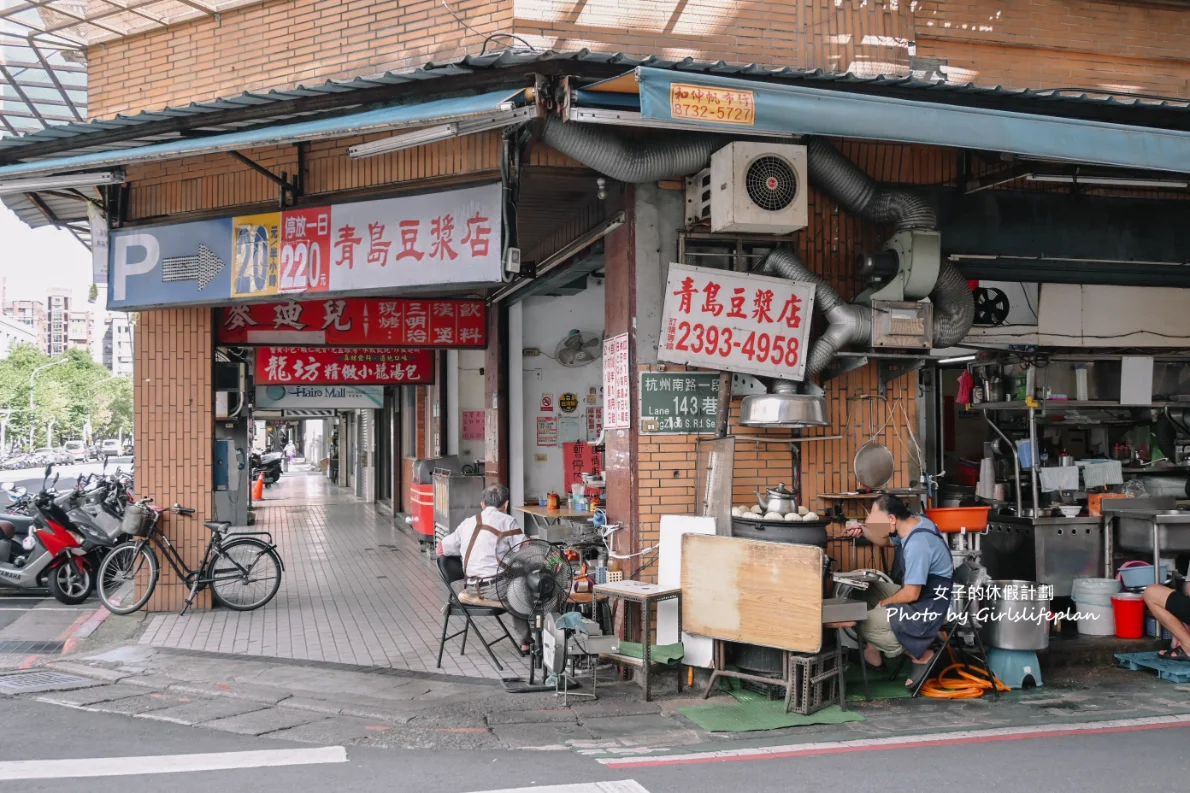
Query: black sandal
[915,669]
[1174,654]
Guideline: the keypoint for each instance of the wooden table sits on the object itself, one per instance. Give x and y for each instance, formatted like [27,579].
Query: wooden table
[648,596]
[552,514]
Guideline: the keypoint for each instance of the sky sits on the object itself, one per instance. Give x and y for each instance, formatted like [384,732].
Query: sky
[33,261]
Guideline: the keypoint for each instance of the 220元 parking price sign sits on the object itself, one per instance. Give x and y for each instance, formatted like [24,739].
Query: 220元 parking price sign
[736,322]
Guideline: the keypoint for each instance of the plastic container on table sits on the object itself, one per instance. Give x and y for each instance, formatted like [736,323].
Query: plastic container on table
[1129,609]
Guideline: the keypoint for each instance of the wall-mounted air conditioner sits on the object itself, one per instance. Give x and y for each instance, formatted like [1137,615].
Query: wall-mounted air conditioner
[757,188]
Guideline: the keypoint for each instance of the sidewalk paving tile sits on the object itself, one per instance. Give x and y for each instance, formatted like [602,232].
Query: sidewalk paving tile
[337,730]
[202,711]
[362,594]
[531,716]
[260,722]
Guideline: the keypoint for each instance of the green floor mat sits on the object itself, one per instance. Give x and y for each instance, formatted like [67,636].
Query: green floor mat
[658,653]
[750,716]
[878,682]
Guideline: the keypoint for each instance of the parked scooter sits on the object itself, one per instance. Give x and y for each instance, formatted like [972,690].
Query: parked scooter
[268,464]
[52,553]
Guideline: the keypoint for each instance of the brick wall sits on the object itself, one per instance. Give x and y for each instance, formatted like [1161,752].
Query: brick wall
[174,431]
[1121,46]
[1126,46]
[218,181]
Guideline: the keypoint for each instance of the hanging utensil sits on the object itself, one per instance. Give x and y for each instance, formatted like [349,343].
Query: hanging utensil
[873,465]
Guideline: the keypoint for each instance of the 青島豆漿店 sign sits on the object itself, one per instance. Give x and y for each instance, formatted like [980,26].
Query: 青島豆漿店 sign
[345,365]
[341,397]
[447,238]
[736,322]
[359,321]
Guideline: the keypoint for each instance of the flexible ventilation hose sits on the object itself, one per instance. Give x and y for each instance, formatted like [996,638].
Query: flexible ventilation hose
[633,161]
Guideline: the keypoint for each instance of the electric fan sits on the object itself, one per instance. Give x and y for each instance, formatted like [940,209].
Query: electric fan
[578,349]
[534,581]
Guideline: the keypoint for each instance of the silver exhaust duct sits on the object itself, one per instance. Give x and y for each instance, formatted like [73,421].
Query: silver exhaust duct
[679,155]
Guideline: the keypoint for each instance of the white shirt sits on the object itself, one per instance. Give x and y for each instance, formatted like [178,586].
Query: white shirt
[489,549]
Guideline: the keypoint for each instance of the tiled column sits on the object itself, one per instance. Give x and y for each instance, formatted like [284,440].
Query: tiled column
[174,431]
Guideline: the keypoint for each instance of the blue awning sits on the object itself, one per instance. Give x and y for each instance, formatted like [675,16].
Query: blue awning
[383,120]
[800,110]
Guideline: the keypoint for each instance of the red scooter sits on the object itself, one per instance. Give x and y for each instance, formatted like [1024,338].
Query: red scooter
[69,573]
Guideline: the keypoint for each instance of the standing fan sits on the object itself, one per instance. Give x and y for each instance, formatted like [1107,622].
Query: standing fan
[579,348]
[535,580]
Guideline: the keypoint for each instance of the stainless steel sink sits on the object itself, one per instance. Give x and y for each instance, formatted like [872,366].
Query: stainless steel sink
[1134,530]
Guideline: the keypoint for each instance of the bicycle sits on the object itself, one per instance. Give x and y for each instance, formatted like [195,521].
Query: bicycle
[234,565]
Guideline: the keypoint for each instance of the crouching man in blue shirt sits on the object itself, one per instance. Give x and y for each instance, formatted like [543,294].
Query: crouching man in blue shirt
[905,616]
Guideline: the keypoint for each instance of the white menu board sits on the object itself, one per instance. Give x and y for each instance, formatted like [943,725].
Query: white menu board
[617,401]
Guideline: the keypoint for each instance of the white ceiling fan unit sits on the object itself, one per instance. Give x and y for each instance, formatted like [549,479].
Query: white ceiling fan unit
[754,188]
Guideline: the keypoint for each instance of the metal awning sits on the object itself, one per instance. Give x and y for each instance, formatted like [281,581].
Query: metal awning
[675,99]
[472,113]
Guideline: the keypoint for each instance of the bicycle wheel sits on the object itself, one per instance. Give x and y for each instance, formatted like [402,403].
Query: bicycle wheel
[245,574]
[128,577]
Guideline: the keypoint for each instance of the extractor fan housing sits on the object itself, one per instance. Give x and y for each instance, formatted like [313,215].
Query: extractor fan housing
[755,188]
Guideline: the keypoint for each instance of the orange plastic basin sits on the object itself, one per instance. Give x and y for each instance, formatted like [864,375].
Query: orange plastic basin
[959,518]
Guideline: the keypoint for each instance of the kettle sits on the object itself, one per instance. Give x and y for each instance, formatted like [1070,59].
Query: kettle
[780,500]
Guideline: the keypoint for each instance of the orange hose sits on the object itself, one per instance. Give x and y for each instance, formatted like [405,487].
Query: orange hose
[964,685]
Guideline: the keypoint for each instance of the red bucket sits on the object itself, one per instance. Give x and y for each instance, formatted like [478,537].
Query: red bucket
[1129,611]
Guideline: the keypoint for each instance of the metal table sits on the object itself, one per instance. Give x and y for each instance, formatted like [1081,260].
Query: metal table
[1052,551]
[648,596]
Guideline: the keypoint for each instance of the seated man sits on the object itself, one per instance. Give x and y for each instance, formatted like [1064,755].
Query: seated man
[483,541]
[1170,606]
[905,617]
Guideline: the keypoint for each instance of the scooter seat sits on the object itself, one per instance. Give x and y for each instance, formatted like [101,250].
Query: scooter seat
[20,523]
[217,525]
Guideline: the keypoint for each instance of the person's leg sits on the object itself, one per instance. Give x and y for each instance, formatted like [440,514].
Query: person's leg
[1171,609]
[520,632]
[875,629]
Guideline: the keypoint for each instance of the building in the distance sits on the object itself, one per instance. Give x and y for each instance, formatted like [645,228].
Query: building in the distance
[12,333]
[117,345]
[33,315]
[80,330]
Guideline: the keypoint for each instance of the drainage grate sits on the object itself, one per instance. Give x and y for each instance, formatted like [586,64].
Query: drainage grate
[45,680]
[40,648]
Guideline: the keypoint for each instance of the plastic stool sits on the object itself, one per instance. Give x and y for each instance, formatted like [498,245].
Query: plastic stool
[1014,667]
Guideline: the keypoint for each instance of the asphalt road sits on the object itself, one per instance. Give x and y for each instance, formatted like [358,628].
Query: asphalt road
[31,478]
[1149,760]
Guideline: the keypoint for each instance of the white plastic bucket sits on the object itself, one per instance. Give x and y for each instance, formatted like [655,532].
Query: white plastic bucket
[1100,620]
[1094,591]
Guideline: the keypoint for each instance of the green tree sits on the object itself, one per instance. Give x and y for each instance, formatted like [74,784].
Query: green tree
[69,394]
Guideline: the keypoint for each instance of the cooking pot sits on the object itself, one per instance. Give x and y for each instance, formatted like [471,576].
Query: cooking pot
[1021,624]
[799,532]
[779,500]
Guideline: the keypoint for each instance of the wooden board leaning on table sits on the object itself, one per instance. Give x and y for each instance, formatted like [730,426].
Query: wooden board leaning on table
[754,592]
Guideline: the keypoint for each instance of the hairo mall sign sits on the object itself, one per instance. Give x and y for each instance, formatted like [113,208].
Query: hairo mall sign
[451,238]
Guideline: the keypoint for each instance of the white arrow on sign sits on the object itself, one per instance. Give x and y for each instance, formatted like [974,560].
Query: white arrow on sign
[202,267]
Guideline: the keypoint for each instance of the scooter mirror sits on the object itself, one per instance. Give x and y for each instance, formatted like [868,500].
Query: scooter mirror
[9,486]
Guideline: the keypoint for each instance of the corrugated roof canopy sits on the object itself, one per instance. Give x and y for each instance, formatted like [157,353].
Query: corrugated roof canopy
[43,72]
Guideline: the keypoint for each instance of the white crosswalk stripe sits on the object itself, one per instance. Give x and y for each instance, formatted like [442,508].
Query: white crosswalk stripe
[168,763]
[619,786]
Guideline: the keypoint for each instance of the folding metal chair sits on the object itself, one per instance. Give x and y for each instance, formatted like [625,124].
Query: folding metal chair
[451,570]
[944,641]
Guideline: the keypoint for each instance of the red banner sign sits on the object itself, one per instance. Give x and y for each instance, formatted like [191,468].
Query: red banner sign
[357,322]
[343,366]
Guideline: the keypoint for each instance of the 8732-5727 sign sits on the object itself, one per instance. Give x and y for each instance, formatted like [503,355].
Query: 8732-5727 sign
[736,322]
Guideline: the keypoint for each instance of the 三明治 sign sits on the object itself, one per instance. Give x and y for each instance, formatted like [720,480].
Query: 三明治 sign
[447,238]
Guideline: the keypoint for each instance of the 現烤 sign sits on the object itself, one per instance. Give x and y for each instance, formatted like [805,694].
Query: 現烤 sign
[737,322]
[357,321]
[678,403]
[344,365]
[447,238]
[340,397]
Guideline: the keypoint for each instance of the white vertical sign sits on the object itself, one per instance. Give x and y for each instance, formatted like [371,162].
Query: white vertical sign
[617,402]
[98,223]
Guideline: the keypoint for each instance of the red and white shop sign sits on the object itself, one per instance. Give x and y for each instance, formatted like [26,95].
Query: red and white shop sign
[305,251]
[736,322]
[617,385]
[343,366]
[357,321]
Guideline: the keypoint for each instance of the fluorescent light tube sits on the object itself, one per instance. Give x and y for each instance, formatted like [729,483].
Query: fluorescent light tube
[63,182]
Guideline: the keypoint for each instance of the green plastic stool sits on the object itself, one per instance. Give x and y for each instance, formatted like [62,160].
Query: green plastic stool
[1015,667]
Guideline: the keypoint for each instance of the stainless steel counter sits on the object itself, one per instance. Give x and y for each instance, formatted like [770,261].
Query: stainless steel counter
[1051,551]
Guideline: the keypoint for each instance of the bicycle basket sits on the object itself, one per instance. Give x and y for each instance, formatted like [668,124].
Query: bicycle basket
[137,520]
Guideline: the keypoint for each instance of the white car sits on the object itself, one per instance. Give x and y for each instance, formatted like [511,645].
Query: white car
[111,447]
[77,450]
